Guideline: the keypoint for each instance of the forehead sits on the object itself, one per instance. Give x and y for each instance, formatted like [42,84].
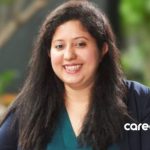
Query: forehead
[72,23]
[70,28]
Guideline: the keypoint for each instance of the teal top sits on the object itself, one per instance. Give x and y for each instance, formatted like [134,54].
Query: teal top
[64,137]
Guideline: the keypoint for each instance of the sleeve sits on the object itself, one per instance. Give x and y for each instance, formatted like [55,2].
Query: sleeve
[8,134]
[139,106]
[145,133]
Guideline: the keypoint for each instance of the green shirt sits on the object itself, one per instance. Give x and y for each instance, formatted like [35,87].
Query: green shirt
[64,137]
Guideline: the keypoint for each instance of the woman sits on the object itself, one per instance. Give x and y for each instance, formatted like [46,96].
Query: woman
[75,96]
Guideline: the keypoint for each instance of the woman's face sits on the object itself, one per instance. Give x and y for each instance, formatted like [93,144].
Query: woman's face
[74,55]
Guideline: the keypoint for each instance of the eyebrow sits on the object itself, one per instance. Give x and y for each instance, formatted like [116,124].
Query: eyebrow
[73,38]
[81,37]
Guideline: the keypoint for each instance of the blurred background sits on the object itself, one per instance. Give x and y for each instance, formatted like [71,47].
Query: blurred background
[20,21]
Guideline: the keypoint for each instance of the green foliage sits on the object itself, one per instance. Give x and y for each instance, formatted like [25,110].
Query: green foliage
[6,2]
[135,21]
[135,14]
[6,79]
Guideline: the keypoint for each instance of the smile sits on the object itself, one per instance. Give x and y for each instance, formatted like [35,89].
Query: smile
[72,68]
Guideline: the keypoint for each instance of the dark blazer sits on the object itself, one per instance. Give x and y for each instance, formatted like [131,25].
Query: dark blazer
[138,103]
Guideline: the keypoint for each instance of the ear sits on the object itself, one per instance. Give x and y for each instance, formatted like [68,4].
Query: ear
[105,48]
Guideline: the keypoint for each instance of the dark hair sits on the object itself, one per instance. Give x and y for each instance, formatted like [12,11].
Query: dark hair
[38,104]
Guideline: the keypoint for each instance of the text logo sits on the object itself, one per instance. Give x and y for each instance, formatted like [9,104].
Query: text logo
[136,127]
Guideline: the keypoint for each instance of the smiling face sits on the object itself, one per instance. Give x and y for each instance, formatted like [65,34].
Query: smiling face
[74,55]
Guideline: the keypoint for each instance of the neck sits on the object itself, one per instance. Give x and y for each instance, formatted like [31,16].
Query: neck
[77,104]
[77,98]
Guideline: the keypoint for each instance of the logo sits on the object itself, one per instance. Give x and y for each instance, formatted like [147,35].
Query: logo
[136,127]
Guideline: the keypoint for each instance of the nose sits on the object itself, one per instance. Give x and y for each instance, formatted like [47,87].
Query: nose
[69,53]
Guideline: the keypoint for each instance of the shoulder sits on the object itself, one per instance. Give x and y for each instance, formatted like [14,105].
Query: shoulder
[138,99]
[8,133]
[138,88]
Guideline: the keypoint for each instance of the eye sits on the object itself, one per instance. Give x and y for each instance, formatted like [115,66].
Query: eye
[59,46]
[80,44]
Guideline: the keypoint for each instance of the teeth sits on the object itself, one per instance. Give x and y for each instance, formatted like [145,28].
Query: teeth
[73,68]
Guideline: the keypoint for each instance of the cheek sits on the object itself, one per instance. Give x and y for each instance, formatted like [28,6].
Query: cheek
[92,57]
[56,63]
[56,59]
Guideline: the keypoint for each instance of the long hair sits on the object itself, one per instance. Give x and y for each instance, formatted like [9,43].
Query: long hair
[37,106]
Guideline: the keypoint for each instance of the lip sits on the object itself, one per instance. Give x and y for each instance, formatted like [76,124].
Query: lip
[71,64]
[72,71]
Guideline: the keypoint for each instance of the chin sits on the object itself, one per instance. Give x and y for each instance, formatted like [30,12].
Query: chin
[72,84]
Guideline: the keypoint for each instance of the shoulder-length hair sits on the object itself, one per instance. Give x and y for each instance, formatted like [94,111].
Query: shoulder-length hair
[38,104]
